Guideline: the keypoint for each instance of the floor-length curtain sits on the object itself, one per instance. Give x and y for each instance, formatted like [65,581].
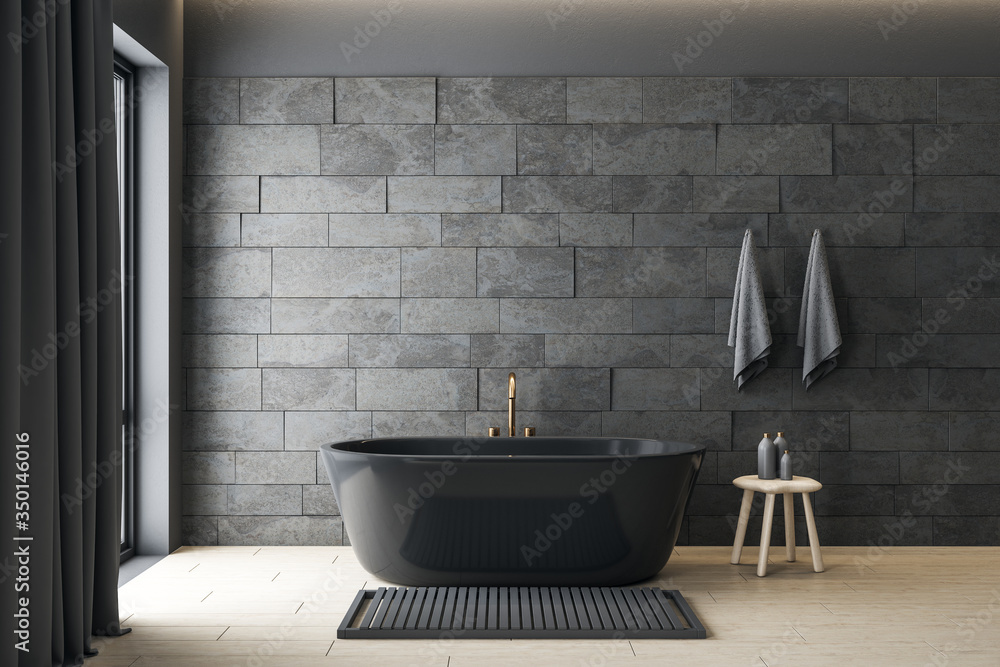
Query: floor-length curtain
[60,346]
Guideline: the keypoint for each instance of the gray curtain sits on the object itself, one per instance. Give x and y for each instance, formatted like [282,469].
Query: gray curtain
[60,332]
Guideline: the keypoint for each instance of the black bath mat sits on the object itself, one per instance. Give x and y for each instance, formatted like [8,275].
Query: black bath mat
[520,613]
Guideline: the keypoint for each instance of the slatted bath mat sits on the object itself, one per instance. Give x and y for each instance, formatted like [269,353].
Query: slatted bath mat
[520,613]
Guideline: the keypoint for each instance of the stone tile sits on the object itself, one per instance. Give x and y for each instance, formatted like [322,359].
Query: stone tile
[673,315]
[410,350]
[416,424]
[285,229]
[858,272]
[275,467]
[722,263]
[577,315]
[839,229]
[306,100]
[201,499]
[501,100]
[859,468]
[280,531]
[770,390]
[438,272]
[864,389]
[842,194]
[223,389]
[301,351]
[939,351]
[507,350]
[322,194]
[963,388]
[318,500]
[307,389]
[211,101]
[789,100]
[697,229]
[444,194]
[953,229]
[702,351]
[806,432]
[524,272]
[208,467]
[417,389]
[464,315]
[219,194]
[595,229]
[335,315]
[848,531]
[230,431]
[872,149]
[369,230]
[218,350]
[686,100]
[893,100]
[226,272]
[956,150]
[958,273]
[211,229]
[232,150]
[711,429]
[968,100]
[948,467]
[565,150]
[547,388]
[548,423]
[603,99]
[652,194]
[654,149]
[775,149]
[556,194]
[970,316]
[899,431]
[640,272]
[956,193]
[385,100]
[500,229]
[945,500]
[974,431]
[204,316]
[880,315]
[655,389]
[602,350]
[200,531]
[973,531]
[306,431]
[336,272]
[378,149]
[265,499]
[851,500]
[736,194]
[461,150]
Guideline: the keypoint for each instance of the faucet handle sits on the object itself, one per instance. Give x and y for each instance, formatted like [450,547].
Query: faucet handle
[529,431]
[494,431]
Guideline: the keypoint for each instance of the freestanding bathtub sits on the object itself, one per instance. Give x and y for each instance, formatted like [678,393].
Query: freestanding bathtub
[512,511]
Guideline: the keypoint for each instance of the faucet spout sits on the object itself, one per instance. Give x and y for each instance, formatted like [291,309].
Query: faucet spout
[511,393]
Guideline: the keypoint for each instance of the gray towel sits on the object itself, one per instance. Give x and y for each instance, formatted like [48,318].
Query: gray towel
[819,330]
[749,331]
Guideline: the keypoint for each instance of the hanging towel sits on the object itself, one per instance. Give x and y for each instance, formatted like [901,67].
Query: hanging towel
[819,330]
[749,331]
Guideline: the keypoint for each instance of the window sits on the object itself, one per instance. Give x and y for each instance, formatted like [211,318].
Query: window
[123,84]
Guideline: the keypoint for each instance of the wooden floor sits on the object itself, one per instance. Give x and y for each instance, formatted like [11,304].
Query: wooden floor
[280,606]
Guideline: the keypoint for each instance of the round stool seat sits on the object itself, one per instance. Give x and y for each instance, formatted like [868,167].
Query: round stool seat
[794,485]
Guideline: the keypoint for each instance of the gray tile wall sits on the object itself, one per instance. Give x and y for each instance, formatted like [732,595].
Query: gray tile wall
[370,257]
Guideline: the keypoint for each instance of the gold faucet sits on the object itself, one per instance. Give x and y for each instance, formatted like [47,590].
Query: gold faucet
[511,392]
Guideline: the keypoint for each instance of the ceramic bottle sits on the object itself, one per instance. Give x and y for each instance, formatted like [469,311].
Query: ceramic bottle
[780,446]
[767,458]
[786,466]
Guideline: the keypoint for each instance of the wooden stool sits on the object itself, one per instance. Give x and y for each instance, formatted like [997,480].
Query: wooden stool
[770,488]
